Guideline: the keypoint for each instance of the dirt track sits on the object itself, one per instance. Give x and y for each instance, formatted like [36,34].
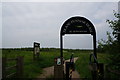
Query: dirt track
[49,71]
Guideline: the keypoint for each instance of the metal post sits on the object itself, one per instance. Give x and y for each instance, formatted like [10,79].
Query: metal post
[94,44]
[61,46]
[94,73]
[61,56]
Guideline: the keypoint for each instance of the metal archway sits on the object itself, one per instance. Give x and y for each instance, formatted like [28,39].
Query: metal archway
[77,25]
[80,25]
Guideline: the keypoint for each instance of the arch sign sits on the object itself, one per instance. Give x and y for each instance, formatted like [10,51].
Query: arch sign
[77,25]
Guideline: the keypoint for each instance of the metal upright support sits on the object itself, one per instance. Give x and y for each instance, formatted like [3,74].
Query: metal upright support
[94,44]
[61,49]
[61,56]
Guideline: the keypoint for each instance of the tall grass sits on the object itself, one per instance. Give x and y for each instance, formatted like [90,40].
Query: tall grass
[33,68]
[82,64]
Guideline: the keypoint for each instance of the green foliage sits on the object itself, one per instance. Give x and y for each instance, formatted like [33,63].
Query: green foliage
[82,64]
[83,61]
[106,46]
[112,44]
[32,69]
[115,25]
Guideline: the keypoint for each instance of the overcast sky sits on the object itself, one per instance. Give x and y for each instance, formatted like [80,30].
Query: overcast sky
[26,22]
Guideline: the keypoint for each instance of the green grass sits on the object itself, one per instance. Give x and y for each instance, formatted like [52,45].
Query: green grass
[82,64]
[83,61]
[32,69]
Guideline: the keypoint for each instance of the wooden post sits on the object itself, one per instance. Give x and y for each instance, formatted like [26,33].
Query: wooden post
[101,71]
[67,70]
[93,68]
[4,59]
[20,67]
[108,73]
[58,71]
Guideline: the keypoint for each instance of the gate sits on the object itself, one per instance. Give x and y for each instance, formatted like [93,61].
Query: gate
[18,66]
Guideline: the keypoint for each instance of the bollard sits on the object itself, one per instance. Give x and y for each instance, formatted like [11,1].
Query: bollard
[93,68]
[58,70]
[67,70]
[100,71]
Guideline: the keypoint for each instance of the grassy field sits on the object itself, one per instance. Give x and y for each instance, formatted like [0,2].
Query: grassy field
[84,61]
[33,68]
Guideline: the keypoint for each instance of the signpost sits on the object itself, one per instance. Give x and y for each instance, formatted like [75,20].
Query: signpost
[36,50]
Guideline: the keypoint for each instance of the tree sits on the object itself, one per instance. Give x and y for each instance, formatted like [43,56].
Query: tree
[115,25]
[112,45]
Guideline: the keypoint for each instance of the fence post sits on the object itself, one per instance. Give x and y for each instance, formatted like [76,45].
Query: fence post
[108,74]
[20,66]
[67,70]
[93,68]
[58,71]
[4,59]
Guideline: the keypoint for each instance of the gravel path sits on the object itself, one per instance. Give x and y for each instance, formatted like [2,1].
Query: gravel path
[49,71]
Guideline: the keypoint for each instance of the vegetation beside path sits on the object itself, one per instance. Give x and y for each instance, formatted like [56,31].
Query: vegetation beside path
[34,68]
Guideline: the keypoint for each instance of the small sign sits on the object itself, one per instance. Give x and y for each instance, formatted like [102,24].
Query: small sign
[36,50]
[58,61]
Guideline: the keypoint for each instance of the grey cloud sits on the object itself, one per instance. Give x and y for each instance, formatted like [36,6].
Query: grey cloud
[24,23]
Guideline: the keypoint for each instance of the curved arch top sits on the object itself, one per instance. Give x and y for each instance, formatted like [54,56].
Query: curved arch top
[77,25]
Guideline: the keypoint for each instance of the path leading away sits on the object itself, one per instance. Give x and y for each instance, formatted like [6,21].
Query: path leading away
[49,71]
